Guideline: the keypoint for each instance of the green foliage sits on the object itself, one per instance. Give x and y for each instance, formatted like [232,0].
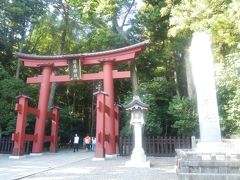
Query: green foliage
[79,26]
[164,55]
[228,84]
[70,124]
[17,17]
[183,110]
[10,88]
[157,93]
[220,17]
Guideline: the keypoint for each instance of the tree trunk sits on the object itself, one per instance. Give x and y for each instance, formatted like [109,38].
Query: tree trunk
[52,95]
[61,50]
[18,66]
[134,78]
[18,69]
[0,132]
[176,83]
[123,34]
[93,117]
[190,83]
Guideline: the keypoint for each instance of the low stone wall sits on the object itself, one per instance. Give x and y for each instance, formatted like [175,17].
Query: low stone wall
[207,166]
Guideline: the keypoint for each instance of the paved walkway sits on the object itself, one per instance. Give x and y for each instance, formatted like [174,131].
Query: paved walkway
[79,165]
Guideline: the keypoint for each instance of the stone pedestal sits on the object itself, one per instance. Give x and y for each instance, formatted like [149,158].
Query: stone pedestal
[211,147]
[138,157]
[194,165]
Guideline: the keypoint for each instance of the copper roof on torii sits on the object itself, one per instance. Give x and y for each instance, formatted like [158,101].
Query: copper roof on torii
[24,56]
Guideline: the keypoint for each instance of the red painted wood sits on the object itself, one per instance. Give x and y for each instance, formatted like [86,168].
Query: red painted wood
[119,55]
[43,107]
[100,125]
[109,101]
[85,77]
[116,117]
[50,115]
[30,137]
[32,63]
[121,74]
[33,111]
[49,63]
[18,107]
[33,80]
[48,138]
[54,129]
[19,135]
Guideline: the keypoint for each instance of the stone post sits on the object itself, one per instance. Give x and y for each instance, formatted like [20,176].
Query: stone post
[54,129]
[100,125]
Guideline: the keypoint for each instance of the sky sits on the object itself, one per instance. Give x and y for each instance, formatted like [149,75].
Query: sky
[139,3]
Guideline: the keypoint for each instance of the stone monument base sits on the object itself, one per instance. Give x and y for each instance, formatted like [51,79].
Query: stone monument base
[211,147]
[194,165]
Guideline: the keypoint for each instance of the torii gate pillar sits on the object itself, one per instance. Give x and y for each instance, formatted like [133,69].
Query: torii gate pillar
[109,102]
[43,108]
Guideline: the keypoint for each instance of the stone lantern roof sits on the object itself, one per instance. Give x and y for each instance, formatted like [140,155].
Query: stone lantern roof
[136,103]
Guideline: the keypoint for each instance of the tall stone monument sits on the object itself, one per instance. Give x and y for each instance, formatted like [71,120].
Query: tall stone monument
[211,159]
[202,64]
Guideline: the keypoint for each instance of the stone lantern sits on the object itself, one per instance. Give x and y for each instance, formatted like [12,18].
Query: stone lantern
[137,108]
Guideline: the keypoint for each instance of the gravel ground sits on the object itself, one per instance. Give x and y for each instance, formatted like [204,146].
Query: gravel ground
[69,165]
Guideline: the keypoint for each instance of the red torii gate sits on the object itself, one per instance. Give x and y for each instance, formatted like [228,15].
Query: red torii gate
[75,62]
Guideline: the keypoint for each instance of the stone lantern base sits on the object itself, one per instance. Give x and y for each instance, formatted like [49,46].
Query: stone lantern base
[138,159]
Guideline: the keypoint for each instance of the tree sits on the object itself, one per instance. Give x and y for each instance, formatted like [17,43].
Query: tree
[10,88]
[183,110]
[157,93]
[17,18]
[220,19]
[228,95]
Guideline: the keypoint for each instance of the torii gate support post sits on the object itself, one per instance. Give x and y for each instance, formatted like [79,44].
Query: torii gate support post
[109,117]
[19,136]
[54,129]
[100,125]
[43,108]
[116,107]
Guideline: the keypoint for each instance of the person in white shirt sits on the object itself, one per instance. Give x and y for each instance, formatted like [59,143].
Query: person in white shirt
[93,143]
[75,143]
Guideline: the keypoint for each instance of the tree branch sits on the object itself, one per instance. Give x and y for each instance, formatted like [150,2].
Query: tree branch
[126,15]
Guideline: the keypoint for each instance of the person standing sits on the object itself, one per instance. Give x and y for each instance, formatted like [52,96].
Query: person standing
[87,141]
[93,143]
[75,143]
